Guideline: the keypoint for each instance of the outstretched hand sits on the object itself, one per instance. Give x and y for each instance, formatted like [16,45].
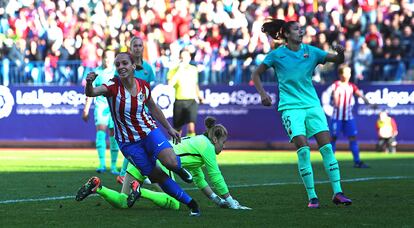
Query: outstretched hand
[234,204]
[219,201]
[237,206]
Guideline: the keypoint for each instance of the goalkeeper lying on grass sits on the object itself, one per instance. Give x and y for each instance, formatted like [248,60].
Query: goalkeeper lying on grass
[194,153]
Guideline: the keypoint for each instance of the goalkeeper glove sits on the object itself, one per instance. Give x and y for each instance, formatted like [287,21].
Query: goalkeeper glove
[234,204]
[217,200]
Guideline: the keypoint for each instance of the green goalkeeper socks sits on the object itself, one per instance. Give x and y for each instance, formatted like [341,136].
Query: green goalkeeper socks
[161,199]
[119,200]
[331,167]
[100,144]
[116,199]
[305,171]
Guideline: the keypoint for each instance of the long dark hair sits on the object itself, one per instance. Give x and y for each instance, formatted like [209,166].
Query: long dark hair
[277,28]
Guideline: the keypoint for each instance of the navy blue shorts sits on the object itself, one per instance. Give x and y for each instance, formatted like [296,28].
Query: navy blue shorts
[143,154]
[347,127]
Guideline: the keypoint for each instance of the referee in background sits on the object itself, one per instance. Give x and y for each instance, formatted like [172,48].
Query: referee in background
[184,79]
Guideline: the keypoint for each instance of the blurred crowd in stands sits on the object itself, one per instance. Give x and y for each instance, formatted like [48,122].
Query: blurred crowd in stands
[59,41]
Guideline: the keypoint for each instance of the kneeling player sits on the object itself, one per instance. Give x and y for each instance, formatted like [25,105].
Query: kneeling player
[194,153]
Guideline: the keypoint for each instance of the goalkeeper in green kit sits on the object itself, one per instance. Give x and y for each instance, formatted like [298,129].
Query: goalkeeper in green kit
[195,152]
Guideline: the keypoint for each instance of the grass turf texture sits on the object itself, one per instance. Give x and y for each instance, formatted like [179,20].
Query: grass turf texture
[268,182]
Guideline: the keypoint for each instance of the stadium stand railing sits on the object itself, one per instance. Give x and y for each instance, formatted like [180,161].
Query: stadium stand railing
[234,72]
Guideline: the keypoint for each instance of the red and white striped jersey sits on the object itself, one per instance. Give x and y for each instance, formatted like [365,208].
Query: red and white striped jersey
[343,100]
[132,122]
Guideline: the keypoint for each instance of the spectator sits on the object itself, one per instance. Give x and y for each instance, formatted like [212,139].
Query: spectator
[369,12]
[387,133]
[362,63]
[92,26]
[5,63]
[16,57]
[373,38]
[394,69]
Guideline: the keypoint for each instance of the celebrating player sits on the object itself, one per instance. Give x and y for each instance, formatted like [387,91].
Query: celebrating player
[138,137]
[144,72]
[302,114]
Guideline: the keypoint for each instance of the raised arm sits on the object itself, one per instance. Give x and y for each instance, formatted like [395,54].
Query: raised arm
[91,91]
[337,58]
[266,99]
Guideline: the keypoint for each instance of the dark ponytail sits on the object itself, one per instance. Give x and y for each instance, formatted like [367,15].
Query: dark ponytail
[277,28]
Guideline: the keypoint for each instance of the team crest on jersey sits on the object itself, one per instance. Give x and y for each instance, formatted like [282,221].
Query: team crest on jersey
[141,97]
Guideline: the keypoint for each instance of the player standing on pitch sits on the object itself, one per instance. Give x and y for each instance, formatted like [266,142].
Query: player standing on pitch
[342,119]
[102,115]
[302,114]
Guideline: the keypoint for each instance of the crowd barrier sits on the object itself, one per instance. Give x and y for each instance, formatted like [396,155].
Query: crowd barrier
[231,71]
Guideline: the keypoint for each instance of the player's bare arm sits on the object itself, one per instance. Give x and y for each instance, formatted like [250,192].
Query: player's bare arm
[266,99]
[85,113]
[158,115]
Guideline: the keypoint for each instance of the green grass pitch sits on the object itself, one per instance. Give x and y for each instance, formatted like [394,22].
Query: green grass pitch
[37,189]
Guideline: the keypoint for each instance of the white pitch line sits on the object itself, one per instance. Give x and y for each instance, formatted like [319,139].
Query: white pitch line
[362,179]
